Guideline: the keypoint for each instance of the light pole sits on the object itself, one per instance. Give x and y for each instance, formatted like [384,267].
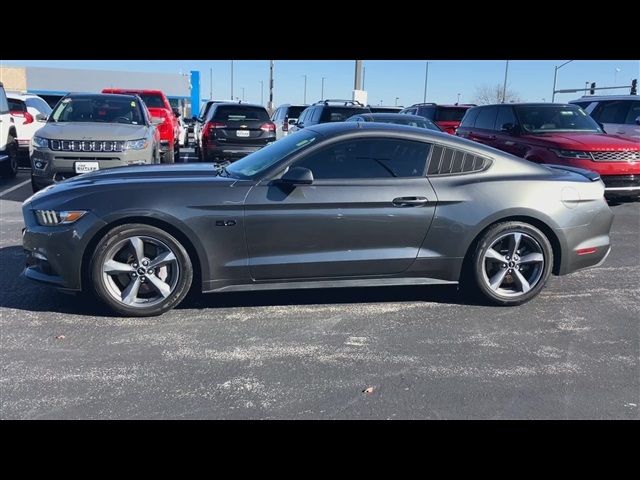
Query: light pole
[231,79]
[211,84]
[397,101]
[504,86]
[242,93]
[261,92]
[426,78]
[322,89]
[458,99]
[364,72]
[555,78]
[305,90]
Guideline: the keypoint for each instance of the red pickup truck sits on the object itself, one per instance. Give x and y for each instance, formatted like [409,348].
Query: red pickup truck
[159,106]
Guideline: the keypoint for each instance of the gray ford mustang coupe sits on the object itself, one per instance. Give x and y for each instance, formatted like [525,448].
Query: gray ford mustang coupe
[341,204]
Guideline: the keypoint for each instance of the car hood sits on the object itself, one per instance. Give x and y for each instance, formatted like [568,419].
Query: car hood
[586,141]
[92,131]
[166,175]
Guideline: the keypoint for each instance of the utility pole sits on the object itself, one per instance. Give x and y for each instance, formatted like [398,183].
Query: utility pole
[270,106]
[426,79]
[357,83]
[261,92]
[242,93]
[322,89]
[504,87]
[397,101]
[231,79]
[305,89]
[364,72]
[211,84]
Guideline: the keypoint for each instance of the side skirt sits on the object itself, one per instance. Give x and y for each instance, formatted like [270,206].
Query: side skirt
[373,282]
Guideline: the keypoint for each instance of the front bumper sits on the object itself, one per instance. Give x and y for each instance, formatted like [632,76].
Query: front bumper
[621,185]
[53,255]
[50,166]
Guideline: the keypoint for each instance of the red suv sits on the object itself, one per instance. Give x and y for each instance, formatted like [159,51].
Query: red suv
[557,134]
[159,106]
[447,117]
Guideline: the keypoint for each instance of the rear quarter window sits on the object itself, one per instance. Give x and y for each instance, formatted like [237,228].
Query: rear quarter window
[486,118]
[469,118]
[16,105]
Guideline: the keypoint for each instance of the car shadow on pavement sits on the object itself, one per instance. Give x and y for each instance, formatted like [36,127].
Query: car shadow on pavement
[20,293]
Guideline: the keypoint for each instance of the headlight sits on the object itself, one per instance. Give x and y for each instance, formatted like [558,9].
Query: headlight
[571,154]
[39,142]
[51,218]
[136,144]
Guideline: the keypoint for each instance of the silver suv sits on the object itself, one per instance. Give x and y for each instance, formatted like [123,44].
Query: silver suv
[87,132]
[8,139]
[618,114]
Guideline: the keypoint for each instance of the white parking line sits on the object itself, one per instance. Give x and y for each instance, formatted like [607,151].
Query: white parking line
[15,187]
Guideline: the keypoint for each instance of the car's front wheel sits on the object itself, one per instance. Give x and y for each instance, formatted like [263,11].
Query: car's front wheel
[140,270]
[511,263]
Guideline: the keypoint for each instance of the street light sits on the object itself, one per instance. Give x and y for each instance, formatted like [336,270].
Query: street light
[504,86]
[242,93]
[555,78]
[305,90]
[261,92]
[322,89]
[397,101]
[458,99]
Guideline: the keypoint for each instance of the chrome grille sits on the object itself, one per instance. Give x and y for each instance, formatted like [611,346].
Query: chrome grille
[86,146]
[620,156]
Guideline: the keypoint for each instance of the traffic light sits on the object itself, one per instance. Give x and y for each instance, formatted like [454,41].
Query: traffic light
[634,86]
[593,88]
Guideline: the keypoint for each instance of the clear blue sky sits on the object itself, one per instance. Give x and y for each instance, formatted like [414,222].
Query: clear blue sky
[384,80]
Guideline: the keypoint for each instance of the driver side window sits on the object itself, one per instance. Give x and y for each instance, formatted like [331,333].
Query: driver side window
[368,159]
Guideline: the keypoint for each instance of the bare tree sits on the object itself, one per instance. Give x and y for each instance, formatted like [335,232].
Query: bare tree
[487,94]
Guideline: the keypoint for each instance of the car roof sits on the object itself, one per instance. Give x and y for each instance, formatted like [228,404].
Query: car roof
[132,90]
[390,116]
[305,105]
[101,95]
[236,104]
[525,104]
[600,98]
[21,96]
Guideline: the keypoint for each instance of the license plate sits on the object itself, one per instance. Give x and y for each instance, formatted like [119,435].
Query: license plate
[242,133]
[84,167]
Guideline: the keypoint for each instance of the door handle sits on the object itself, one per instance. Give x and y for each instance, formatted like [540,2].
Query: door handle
[409,201]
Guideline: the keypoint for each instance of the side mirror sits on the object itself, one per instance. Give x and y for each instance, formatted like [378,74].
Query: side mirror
[157,120]
[176,112]
[510,128]
[297,176]
[292,121]
[40,117]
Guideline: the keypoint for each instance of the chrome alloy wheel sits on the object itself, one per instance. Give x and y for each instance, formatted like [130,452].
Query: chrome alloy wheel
[513,264]
[140,271]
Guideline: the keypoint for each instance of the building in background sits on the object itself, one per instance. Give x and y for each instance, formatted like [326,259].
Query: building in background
[53,83]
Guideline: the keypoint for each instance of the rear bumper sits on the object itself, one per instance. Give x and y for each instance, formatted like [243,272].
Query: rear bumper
[230,150]
[586,245]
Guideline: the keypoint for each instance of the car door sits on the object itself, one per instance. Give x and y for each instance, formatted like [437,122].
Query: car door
[483,129]
[366,212]
[506,132]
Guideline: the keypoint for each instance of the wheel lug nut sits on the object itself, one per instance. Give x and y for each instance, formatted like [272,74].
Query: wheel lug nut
[504,265]
[134,274]
[145,262]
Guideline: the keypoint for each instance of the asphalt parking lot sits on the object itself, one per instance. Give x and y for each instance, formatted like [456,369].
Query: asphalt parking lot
[398,353]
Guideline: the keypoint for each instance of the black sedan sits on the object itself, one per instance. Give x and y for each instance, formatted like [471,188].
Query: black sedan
[342,204]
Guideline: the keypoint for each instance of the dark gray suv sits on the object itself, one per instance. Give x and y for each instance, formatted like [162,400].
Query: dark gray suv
[328,111]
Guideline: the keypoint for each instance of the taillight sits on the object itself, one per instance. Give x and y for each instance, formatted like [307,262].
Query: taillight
[285,124]
[213,125]
[28,118]
[268,127]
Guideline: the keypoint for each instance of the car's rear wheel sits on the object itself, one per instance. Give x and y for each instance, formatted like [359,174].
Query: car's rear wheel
[168,157]
[140,270]
[9,169]
[511,263]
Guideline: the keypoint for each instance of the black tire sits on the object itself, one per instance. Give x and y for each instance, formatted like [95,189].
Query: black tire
[176,153]
[183,275]
[168,157]
[475,280]
[34,186]
[9,169]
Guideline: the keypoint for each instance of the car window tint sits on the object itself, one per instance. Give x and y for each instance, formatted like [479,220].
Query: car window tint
[294,112]
[4,106]
[39,104]
[315,117]
[486,118]
[449,114]
[340,114]
[451,161]
[612,111]
[368,158]
[239,113]
[16,105]
[505,115]
[469,118]
[633,114]
[427,112]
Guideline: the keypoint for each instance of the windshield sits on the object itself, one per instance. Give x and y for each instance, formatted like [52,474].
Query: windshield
[420,123]
[39,104]
[152,100]
[294,112]
[555,118]
[99,109]
[255,163]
